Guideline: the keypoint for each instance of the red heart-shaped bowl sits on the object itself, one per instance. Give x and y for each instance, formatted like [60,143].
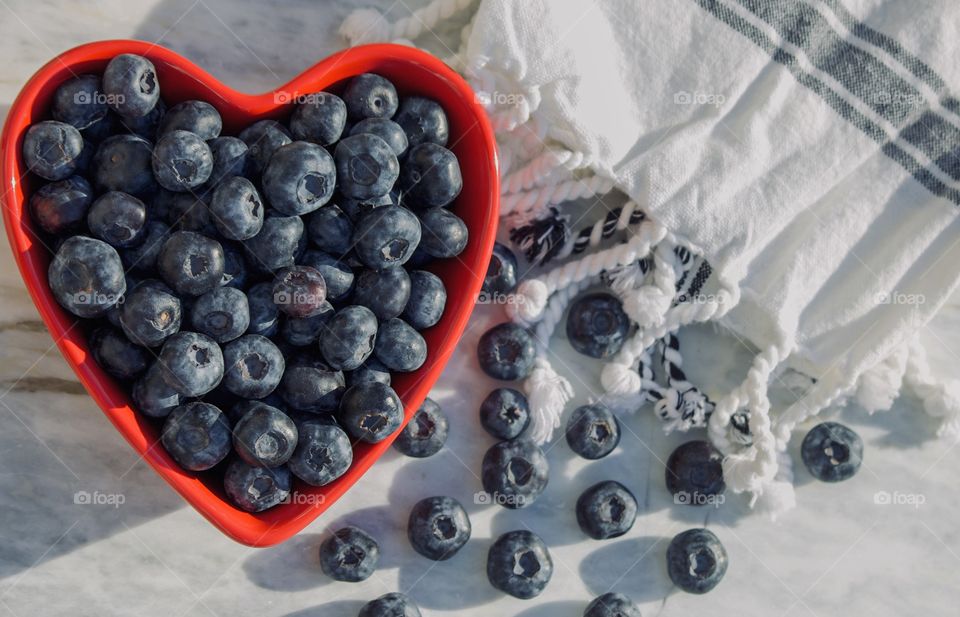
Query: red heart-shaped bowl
[414,73]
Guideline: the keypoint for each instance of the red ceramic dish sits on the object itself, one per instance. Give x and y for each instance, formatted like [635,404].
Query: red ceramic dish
[413,72]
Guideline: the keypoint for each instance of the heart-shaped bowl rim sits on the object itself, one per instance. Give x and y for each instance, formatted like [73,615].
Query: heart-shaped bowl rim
[414,72]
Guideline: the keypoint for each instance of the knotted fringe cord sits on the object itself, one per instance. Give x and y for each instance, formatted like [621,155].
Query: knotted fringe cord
[680,405]
[941,400]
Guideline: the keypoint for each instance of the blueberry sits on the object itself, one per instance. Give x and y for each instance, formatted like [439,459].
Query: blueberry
[320,118]
[349,555]
[277,245]
[52,149]
[606,510]
[386,237]
[370,96]
[150,314]
[832,452]
[425,433]
[694,473]
[61,207]
[192,363]
[348,338]
[229,158]
[118,219]
[197,436]
[234,267]
[387,130]
[86,276]
[444,233]
[79,102]
[371,411]
[505,413]
[300,291]
[181,161]
[400,347]
[330,230]
[152,395]
[593,431]
[124,163]
[264,314]
[307,330]
[145,126]
[323,452]
[519,564]
[597,325]
[423,120]
[252,366]
[143,257]
[236,209]
[255,489]
[371,370]
[116,354]
[265,436]
[99,130]
[191,263]
[384,292]
[612,604]
[438,527]
[356,209]
[501,275]
[514,473]
[431,175]
[506,352]
[197,117]
[262,139]
[312,387]
[696,560]
[366,166]
[188,212]
[428,299]
[299,178]
[337,275]
[390,605]
[131,85]
[222,314]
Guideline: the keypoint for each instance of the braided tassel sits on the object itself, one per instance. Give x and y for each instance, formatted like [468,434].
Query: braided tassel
[541,239]
[536,200]
[541,169]
[683,406]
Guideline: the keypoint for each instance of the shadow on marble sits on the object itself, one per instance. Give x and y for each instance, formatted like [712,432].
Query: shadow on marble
[557,608]
[645,577]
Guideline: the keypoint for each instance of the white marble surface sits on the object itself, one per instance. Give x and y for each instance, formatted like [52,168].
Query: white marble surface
[838,553]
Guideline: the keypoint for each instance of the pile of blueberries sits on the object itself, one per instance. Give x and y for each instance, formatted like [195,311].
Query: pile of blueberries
[256,292]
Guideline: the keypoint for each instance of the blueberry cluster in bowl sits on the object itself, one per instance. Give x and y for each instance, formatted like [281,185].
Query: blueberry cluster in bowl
[254,292]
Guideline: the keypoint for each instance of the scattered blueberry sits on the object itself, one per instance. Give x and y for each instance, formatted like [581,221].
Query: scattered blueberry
[501,275]
[428,298]
[61,207]
[371,411]
[124,163]
[832,452]
[299,178]
[390,605]
[197,436]
[51,149]
[400,347]
[606,510]
[366,166]
[385,292]
[262,139]
[425,433]
[696,560]
[506,352]
[370,96]
[181,161]
[323,453]
[423,120]
[118,219]
[505,413]
[191,263]
[593,431]
[300,291]
[197,117]
[116,354]
[152,395]
[386,237]
[694,473]
[431,175]
[330,230]
[254,488]
[387,130]
[277,245]
[151,313]
[519,564]
[236,209]
[320,119]
[192,363]
[349,555]
[86,276]
[130,83]
[612,604]
[348,338]
[515,473]
[444,233]
[79,102]
[438,527]
[312,387]
[265,436]
[597,325]
[222,314]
